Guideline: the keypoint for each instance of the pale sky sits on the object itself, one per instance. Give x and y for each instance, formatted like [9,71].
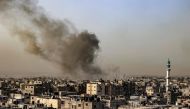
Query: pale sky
[137,36]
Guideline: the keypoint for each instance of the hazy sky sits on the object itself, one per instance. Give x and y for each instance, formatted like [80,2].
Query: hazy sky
[137,36]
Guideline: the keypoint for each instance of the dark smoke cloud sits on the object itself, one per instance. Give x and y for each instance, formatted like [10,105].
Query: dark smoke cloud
[54,40]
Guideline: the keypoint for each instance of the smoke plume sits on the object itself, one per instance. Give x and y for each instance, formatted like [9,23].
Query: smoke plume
[52,39]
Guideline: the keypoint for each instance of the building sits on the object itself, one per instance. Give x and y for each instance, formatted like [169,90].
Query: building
[95,88]
[149,91]
[32,89]
[45,102]
[79,102]
[114,89]
[186,91]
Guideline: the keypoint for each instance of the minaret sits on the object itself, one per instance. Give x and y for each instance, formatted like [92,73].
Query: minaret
[168,81]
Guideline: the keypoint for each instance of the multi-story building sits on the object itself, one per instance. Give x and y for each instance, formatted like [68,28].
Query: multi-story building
[95,88]
[78,102]
[114,89]
[32,89]
[46,102]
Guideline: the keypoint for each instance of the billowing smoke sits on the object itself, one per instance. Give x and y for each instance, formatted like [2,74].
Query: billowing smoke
[54,40]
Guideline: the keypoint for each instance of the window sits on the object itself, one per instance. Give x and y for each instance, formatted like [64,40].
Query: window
[79,105]
[62,102]
[86,104]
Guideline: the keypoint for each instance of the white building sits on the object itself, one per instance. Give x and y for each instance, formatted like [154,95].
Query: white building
[149,91]
[95,88]
[47,102]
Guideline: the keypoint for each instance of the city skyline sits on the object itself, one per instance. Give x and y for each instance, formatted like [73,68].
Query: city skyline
[136,37]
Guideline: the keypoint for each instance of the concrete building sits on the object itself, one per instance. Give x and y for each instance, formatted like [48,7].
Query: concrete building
[46,102]
[29,89]
[149,91]
[78,102]
[186,91]
[112,102]
[95,88]
[114,89]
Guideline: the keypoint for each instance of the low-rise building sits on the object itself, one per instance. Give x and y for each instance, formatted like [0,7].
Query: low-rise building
[46,102]
[149,91]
